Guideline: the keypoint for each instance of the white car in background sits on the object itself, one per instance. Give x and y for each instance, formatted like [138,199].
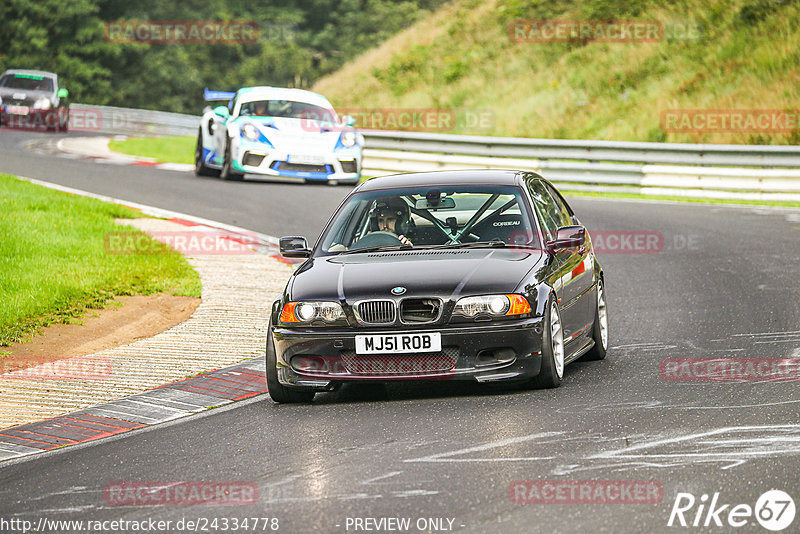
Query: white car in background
[272,131]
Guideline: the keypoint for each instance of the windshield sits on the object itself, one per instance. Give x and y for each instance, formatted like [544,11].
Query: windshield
[286,108]
[431,216]
[29,82]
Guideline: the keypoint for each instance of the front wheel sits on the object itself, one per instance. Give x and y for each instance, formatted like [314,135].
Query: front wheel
[227,166]
[200,168]
[552,370]
[279,392]
[600,326]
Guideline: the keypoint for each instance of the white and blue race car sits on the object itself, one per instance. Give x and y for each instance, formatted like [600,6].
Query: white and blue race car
[272,131]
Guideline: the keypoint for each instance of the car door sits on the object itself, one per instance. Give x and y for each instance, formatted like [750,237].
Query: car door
[582,273]
[570,276]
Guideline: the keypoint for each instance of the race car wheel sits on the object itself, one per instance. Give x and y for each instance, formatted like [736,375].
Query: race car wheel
[600,326]
[227,168]
[200,168]
[552,369]
[278,391]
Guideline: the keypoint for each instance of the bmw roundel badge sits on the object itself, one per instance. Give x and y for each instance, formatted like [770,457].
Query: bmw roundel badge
[399,290]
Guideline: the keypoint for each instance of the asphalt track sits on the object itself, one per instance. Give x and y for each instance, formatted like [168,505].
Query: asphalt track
[725,284]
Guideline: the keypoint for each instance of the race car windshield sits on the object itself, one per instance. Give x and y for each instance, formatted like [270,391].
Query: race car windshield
[430,217]
[287,109]
[28,82]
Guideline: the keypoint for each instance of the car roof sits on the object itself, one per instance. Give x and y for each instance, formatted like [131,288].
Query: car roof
[482,177]
[32,72]
[248,94]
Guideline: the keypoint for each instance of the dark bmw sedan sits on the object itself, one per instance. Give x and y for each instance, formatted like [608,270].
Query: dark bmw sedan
[476,275]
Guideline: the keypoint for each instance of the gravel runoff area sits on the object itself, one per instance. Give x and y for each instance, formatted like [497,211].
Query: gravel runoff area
[229,326]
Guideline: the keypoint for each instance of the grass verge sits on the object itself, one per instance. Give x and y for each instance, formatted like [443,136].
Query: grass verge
[54,264]
[177,149]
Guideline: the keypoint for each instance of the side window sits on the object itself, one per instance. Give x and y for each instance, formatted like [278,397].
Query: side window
[548,211]
[566,217]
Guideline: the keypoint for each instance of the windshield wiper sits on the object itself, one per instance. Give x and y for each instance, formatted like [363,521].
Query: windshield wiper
[481,244]
[380,248]
[473,244]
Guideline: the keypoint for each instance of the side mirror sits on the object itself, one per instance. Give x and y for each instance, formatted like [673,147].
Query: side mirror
[294,247]
[62,93]
[568,237]
[221,111]
[349,120]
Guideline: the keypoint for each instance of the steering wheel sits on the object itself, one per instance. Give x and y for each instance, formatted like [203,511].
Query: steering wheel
[376,239]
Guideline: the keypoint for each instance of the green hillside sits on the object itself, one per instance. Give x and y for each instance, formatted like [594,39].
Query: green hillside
[712,55]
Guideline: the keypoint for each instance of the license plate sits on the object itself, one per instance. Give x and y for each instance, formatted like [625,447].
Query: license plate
[17,110]
[398,343]
[306,159]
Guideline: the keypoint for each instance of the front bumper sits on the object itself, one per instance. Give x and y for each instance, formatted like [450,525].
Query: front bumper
[261,158]
[483,352]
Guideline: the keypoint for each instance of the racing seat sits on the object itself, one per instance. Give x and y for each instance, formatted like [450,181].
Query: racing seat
[505,228]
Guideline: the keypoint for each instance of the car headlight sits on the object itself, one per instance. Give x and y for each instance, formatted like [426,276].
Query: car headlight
[492,306]
[250,132]
[42,103]
[305,312]
[348,138]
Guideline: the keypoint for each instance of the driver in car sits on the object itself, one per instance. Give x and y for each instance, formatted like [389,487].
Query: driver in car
[388,216]
[392,215]
[260,108]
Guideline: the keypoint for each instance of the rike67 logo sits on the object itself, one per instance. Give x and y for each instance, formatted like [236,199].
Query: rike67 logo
[774,510]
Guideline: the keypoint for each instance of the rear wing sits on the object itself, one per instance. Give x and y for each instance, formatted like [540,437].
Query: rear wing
[211,96]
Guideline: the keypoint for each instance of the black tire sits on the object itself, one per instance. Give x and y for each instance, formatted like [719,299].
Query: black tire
[64,126]
[280,393]
[598,352]
[200,168]
[548,376]
[227,169]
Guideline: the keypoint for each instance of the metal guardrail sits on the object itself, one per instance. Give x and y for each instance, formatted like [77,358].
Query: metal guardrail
[125,121]
[592,151]
[740,171]
[708,170]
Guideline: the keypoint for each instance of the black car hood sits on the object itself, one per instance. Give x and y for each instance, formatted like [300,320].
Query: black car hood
[443,273]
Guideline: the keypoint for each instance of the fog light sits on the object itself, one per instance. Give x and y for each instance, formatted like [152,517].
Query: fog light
[253,160]
[349,166]
[308,364]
